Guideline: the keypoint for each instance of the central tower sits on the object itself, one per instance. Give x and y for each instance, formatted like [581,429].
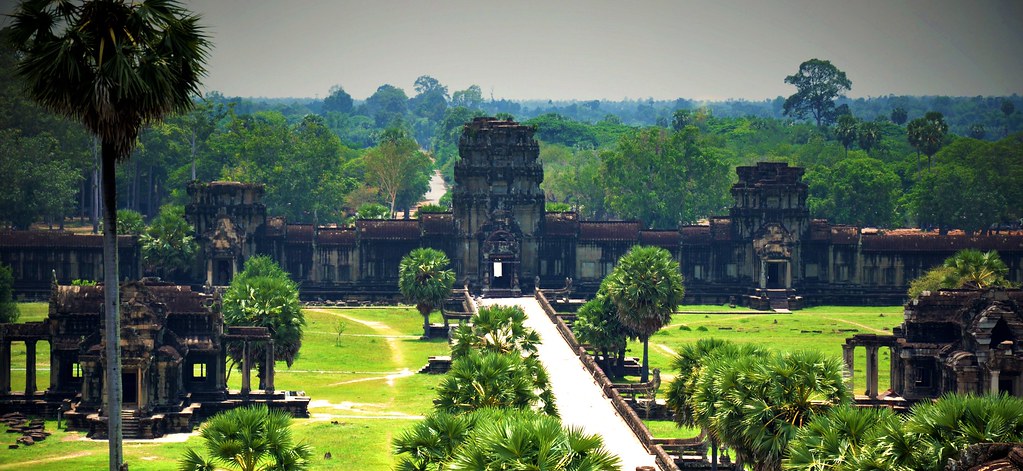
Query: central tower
[498,206]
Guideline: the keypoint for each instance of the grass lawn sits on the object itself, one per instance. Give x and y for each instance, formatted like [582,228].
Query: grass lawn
[366,383]
[822,328]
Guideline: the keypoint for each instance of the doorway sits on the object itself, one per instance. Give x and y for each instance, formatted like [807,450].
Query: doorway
[130,389]
[222,273]
[777,275]
[500,275]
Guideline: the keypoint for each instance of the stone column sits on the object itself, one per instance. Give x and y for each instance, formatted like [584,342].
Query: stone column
[763,274]
[871,371]
[848,358]
[246,368]
[269,370]
[5,367]
[788,275]
[30,368]
[209,271]
[994,382]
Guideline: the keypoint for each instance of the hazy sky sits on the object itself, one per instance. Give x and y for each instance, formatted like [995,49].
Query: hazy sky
[561,49]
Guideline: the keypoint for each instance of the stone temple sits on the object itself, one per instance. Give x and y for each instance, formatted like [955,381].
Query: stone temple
[767,252]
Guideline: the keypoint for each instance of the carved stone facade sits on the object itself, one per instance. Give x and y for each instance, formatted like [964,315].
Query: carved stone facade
[767,252]
[173,345]
[962,341]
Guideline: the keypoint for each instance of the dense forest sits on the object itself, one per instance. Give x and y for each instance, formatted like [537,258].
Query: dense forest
[934,162]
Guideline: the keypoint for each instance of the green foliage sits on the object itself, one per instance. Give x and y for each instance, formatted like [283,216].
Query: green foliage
[859,190]
[387,106]
[645,287]
[598,325]
[818,83]
[130,222]
[8,307]
[251,438]
[833,440]
[263,295]
[397,166]
[482,379]
[168,247]
[81,282]
[974,269]
[933,280]
[431,208]
[425,280]
[373,211]
[498,329]
[927,134]
[555,207]
[664,178]
[338,100]
[46,187]
[846,130]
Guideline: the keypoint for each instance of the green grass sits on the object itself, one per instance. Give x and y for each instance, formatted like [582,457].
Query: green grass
[366,384]
[823,328]
[669,429]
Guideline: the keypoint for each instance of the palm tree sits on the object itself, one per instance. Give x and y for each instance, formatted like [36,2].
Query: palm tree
[834,440]
[488,379]
[432,441]
[646,287]
[526,440]
[113,66]
[974,269]
[263,295]
[597,324]
[944,428]
[845,131]
[251,438]
[498,329]
[425,281]
[927,134]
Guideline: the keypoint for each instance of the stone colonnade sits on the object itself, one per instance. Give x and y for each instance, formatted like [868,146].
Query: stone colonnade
[873,344]
[247,336]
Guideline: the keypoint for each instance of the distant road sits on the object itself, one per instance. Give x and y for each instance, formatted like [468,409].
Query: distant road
[437,189]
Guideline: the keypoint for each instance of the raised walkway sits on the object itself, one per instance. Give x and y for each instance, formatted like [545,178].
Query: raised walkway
[579,399]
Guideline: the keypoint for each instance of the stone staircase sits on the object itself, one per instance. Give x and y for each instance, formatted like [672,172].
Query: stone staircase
[779,299]
[130,427]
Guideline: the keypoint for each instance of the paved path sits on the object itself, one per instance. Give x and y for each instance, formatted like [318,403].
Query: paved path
[580,401]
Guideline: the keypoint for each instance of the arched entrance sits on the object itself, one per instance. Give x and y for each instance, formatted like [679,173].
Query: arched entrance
[500,264]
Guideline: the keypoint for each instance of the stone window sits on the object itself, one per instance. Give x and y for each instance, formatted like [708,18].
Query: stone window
[543,267]
[198,372]
[344,273]
[698,272]
[328,272]
[589,270]
[732,270]
[812,271]
[76,370]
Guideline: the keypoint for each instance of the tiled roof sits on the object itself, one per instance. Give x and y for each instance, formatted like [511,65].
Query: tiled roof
[389,229]
[845,235]
[335,236]
[609,230]
[561,224]
[914,240]
[660,238]
[437,223]
[57,239]
[300,233]
[695,234]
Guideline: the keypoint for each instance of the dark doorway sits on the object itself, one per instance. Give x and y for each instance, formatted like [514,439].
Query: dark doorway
[500,275]
[222,273]
[130,388]
[1007,383]
[775,275]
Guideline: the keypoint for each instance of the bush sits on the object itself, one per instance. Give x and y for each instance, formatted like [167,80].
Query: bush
[8,308]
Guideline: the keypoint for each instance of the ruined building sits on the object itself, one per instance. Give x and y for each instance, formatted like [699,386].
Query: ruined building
[961,341]
[174,360]
[767,252]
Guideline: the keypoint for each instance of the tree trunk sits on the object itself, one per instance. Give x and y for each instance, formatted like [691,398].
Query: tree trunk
[111,307]
[192,142]
[95,189]
[620,363]
[713,455]
[425,312]
[644,377]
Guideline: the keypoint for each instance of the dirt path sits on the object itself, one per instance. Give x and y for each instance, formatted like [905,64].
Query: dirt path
[27,464]
[384,330]
[857,324]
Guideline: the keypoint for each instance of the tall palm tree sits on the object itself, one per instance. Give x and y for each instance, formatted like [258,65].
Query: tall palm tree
[499,329]
[646,287]
[425,280]
[431,441]
[927,134]
[487,379]
[251,438]
[113,66]
[834,440]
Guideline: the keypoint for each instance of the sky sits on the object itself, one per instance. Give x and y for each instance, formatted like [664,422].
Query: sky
[570,49]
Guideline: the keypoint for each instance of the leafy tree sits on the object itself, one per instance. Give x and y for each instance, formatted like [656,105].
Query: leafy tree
[818,83]
[373,211]
[483,379]
[112,66]
[927,134]
[338,101]
[431,100]
[46,187]
[394,163]
[526,440]
[1007,108]
[680,119]
[251,438]
[431,208]
[425,280]
[130,222]
[899,115]
[646,287]
[859,190]
[955,195]
[554,207]
[471,98]
[664,178]
[168,247]
[387,106]
[977,131]
[8,307]
[597,324]
[846,131]
[933,280]
[263,295]
[868,134]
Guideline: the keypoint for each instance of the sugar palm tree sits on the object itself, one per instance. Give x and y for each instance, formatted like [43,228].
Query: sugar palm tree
[834,440]
[597,324]
[113,66]
[499,329]
[431,441]
[425,280]
[646,287]
[974,269]
[487,379]
[251,438]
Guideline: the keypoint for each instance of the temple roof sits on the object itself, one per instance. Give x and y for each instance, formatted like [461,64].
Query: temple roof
[609,230]
[58,239]
[437,223]
[388,229]
[664,238]
[561,224]
[335,236]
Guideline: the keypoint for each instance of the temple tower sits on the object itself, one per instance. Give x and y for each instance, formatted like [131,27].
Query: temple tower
[498,206]
[226,216]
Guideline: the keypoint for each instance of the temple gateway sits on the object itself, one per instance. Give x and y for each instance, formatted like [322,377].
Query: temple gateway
[767,252]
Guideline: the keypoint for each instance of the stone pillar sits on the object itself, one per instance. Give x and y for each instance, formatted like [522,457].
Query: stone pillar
[30,367]
[994,382]
[209,271]
[763,274]
[848,358]
[788,275]
[269,370]
[246,368]
[871,371]
[5,367]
